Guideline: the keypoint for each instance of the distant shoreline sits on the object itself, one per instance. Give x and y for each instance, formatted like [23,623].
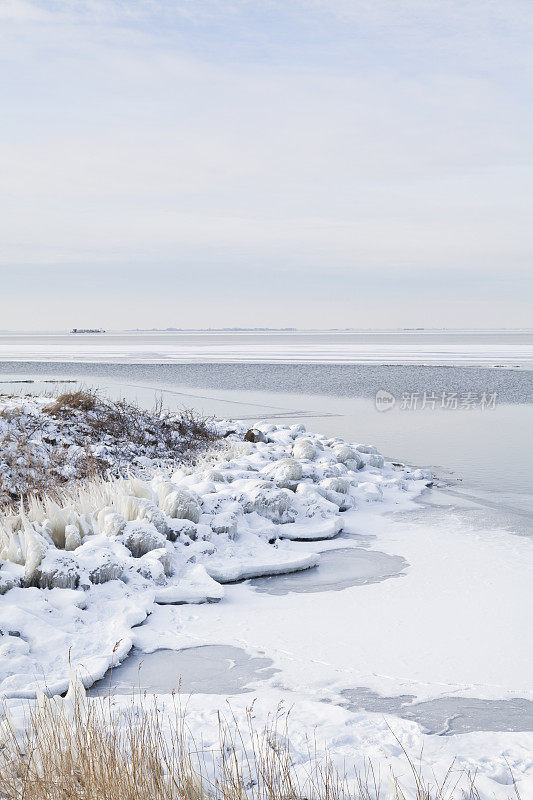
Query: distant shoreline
[122,331]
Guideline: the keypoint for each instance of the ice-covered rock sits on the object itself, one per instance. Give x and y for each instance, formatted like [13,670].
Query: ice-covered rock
[286,472]
[141,540]
[375,460]
[182,529]
[296,430]
[214,475]
[58,569]
[265,427]
[329,470]
[156,565]
[304,449]
[354,464]
[9,577]
[367,448]
[335,501]
[110,522]
[343,453]
[139,508]
[273,503]
[337,484]
[255,435]
[370,491]
[225,523]
[181,504]
[106,569]
[422,475]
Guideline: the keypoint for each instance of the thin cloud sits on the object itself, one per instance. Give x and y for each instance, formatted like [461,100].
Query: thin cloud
[245,138]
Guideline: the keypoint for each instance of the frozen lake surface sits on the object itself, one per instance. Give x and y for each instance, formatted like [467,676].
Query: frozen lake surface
[210,669]
[446,716]
[444,644]
[485,449]
[487,348]
[338,569]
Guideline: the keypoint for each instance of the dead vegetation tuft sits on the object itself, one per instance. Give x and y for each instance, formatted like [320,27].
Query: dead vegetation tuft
[82,435]
[79,400]
[90,749]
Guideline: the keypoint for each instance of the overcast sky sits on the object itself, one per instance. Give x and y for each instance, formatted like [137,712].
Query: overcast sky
[309,163]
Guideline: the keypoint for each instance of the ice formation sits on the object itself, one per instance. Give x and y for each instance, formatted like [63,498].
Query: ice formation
[115,547]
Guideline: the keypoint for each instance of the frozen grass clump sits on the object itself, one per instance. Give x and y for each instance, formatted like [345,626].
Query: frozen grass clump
[47,443]
[82,748]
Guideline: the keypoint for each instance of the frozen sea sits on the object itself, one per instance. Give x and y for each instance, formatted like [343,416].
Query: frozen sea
[460,402]
[503,348]
[427,619]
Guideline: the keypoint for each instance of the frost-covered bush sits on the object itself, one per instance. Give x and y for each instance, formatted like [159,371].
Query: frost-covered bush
[46,443]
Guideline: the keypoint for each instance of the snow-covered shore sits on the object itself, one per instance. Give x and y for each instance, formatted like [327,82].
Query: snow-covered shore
[82,572]
[452,626]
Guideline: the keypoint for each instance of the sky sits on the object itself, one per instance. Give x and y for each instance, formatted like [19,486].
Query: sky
[266,163]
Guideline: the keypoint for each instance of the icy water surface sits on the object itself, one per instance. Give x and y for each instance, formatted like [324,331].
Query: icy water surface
[210,669]
[446,716]
[338,569]
[487,449]
[503,348]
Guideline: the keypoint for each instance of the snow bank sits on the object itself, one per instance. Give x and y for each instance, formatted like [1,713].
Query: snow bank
[76,575]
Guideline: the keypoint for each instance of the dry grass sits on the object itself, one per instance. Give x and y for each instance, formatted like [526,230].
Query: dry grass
[41,453]
[121,420]
[81,749]
[79,400]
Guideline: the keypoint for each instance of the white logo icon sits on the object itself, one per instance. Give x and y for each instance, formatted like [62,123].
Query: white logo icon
[384,400]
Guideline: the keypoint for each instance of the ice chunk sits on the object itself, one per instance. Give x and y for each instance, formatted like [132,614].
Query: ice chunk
[72,537]
[311,530]
[195,586]
[240,569]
